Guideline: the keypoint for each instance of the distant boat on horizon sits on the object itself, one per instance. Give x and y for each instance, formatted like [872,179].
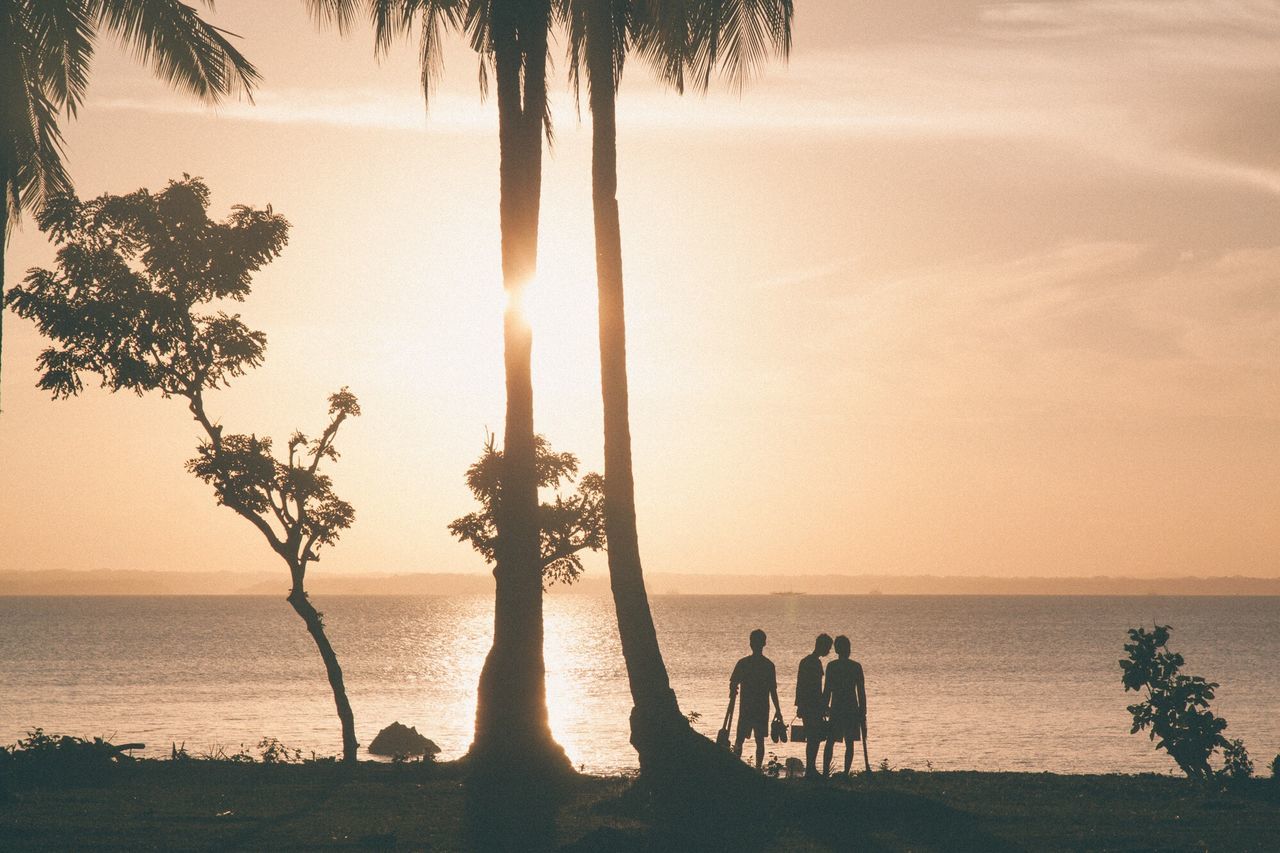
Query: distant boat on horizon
[788,592]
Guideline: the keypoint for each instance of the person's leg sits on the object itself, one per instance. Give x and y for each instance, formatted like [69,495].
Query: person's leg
[848,753]
[811,745]
[826,755]
[737,741]
[759,749]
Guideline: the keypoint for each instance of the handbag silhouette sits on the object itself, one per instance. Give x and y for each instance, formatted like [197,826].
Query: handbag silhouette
[778,731]
[797,731]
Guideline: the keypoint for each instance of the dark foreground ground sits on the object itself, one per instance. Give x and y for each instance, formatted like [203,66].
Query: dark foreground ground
[204,805]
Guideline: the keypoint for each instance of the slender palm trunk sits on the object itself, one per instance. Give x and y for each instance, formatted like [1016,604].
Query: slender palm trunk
[691,774]
[650,686]
[4,248]
[315,627]
[511,702]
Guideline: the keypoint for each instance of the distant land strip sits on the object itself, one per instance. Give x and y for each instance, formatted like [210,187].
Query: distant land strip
[135,582]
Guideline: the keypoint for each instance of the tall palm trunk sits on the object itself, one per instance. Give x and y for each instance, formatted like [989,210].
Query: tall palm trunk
[650,687]
[315,627]
[4,250]
[687,770]
[511,703]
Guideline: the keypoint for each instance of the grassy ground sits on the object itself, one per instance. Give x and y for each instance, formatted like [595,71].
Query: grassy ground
[202,805]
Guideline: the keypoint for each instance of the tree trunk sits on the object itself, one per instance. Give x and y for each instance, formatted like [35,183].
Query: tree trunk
[315,627]
[687,769]
[4,248]
[650,687]
[512,729]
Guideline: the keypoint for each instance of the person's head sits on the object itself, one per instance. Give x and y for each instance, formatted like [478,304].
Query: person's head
[842,646]
[822,646]
[757,641]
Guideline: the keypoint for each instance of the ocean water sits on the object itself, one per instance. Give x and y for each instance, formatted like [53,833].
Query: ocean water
[986,683]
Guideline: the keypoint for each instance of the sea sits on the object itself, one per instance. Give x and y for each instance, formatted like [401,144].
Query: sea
[953,682]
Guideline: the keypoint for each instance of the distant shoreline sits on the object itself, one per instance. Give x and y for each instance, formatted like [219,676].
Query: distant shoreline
[112,582]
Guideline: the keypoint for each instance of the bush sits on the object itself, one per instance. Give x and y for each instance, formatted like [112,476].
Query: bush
[1275,768]
[59,760]
[1236,765]
[1176,709]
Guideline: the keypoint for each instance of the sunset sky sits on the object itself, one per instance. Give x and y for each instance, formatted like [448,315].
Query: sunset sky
[964,288]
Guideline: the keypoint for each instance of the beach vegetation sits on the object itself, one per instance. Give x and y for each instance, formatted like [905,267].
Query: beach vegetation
[572,522]
[1175,709]
[133,300]
[46,52]
[510,41]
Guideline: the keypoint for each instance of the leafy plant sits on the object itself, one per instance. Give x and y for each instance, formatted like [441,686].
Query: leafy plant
[1275,768]
[273,751]
[53,759]
[570,524]
[1236,764]
[1176,707]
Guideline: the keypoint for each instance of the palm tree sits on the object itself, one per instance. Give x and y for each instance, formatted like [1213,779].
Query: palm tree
[679,38]
[46,48]
[510,37]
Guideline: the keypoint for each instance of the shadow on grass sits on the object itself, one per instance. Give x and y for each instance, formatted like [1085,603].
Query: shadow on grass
[869,818]
[862,817]
[512,811]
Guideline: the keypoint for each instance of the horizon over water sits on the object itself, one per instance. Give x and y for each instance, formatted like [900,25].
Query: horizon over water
[954,683]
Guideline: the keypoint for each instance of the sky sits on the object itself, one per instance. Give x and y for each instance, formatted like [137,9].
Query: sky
[970,288]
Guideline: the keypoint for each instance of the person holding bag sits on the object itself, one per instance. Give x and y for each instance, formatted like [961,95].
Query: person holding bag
[758,679]
[811,707]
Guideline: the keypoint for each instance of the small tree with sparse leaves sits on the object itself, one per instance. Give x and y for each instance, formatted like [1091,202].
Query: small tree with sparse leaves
[570,524]
[1176,707]
[130,300]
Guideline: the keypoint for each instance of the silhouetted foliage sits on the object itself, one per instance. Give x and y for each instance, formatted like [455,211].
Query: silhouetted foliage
[46,50]
[59,760]
[132,272]
[130,301]
[1176,708]
[570,524]
[1275,768]
[1236,764]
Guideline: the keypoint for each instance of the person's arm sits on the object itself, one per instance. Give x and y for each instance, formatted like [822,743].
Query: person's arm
[773,691]
[799,682]
[826,692]
[860,685]
[734,681]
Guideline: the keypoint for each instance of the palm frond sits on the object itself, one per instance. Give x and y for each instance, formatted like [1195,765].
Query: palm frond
[63,36]
[737,37]
[184,50]
[340,14]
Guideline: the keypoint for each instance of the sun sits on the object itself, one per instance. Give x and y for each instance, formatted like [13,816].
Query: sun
[559,305]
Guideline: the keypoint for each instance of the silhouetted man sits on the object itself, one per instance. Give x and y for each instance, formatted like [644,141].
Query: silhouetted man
[845,696]
[810,706]
[758,679]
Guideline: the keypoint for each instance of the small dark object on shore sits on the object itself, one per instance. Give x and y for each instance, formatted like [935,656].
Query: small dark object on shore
[398,739]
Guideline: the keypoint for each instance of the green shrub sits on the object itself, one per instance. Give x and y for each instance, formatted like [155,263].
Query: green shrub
[59,760]
[1176,708]
[1236,764]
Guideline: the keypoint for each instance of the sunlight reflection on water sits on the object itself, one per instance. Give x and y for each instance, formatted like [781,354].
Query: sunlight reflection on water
[961,683]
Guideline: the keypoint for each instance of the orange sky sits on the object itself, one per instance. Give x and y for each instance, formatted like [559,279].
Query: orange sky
[967,288]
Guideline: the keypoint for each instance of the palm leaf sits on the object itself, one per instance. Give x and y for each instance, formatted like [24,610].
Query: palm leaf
[183,49]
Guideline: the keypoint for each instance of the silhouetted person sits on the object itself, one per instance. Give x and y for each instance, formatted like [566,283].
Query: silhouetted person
[845,697]
[756,675]
[810,705]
